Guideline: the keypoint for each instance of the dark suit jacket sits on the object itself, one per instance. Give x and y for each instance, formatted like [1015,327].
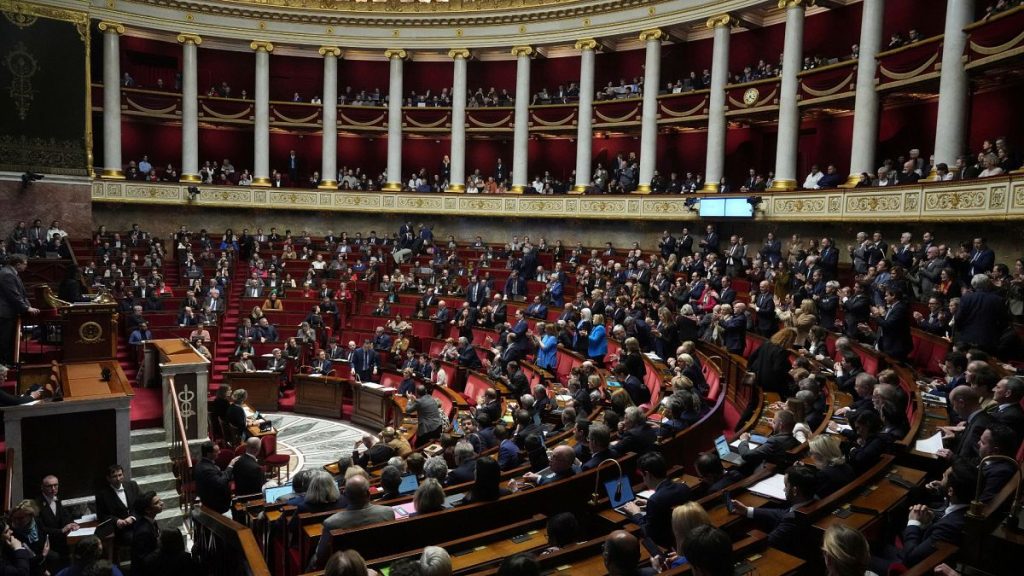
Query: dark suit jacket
[13,299]
[1011,416]
[145,541]
[108,505]
[248,476]
[636,440]
[657,522]
[857,309]
[895,337]
[464,472]
[919,541]
[967,441]
[596,459]
[212,485]
[996,474]
[636,389]
[52,524]
[769,451]
[787,531]
[735,334]
[980,319]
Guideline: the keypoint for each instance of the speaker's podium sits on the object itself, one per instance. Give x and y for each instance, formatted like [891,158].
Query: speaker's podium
[74,439]
[176,359]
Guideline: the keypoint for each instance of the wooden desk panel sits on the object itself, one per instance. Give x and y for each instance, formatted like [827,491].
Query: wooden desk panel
[371,405]
[319,395]
[263,388]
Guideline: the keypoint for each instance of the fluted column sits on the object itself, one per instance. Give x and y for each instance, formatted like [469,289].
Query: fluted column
[396,56]
[715,163]
[649,120]
[789,112]
[585,115]
[951,127]
[865,111]
[261,131]
[112,100]
[457,178]
[329,146]
[189,108]
[521,138]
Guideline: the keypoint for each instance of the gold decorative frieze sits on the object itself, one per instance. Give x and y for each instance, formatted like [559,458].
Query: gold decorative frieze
[982,200]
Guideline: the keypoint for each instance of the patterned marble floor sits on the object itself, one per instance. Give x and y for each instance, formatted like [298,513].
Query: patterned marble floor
[312,442]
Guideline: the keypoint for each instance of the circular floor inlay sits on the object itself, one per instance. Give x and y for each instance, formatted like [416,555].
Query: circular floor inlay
[312,442]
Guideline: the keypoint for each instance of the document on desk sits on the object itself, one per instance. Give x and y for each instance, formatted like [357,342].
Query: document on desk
[772,487]
[929,445]
[81,532]
[372,385]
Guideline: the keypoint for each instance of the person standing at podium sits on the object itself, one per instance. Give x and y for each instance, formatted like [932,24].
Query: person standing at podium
[13,303]
[365,361]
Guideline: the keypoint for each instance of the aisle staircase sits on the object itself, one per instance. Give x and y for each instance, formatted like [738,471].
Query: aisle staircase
[230,320]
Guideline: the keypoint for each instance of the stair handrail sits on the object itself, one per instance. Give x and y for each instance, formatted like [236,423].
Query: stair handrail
[181,456]
[8,480]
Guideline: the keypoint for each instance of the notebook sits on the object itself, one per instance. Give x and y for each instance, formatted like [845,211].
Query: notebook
[725,453]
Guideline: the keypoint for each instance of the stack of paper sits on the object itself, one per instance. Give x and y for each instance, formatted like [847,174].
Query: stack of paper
[929,445]
[771,487]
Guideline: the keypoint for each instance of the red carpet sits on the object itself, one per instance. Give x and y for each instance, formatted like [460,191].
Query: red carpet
[147,408]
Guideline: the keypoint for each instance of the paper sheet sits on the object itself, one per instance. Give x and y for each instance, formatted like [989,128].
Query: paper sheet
[929,445]
[81,532]
[85,519]
[736,444]
[771,487]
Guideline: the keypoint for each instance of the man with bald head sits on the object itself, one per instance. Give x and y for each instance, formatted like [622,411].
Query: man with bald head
[621,553]
[964,443]
[561,465]
[360,512]
[1008,394]
[246,471]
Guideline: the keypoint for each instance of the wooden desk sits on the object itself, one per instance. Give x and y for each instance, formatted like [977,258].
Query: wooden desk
[263,388]
[319,395]
[371,405]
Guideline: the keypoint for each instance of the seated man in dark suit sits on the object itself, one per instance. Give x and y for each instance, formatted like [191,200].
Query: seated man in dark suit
[213,485]
[787,532]
[599,438]
[997,440]
[925,528]
[54,520]
[638,436]
[634,386]
[780,441]
[964,444]
[490,405]
[465,464]
[376,452]
[561,465]
[656,518]
[113,502]
[1008,393]
[713,475]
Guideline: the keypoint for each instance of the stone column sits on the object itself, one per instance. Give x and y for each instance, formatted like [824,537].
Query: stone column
[951,127]
[521,139]
[112,100]
[865,110]
[585,115]
[649,120]
[395,97]
[329,145]
[261,131]
[457,179]
[789,112]
[715,164]
[189,108]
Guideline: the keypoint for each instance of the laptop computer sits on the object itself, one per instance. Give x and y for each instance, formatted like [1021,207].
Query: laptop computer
[272,493]
[725,452]
[408,485]
[620,493]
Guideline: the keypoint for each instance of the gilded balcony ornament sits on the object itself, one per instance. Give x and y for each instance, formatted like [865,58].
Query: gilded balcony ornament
[114,26]
[522,51]
[261,45]
[721,20]
[459,53]
[653,34]
[330,50]
[396,53]
[185,38]
[586,44]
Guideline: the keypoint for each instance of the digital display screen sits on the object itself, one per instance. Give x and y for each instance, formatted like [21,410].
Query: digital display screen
[725,208]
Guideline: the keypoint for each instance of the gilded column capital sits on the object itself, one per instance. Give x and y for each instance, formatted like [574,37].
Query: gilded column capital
[330,51]
[258,45]
[189,38]
[652,34]
[522,51]
[721,20]
[459,53]
[586,44]
[391,53]
[104,25]
[783,4]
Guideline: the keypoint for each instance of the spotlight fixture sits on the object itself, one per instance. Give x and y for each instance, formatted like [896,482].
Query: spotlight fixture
[692,203]
[755,202]
[193,192]
[28,178]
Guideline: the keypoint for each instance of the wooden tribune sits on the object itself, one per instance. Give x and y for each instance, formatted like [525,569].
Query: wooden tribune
[319,395]
[89,332]
[263,388]
[177,359]
[74,439]
[371,404]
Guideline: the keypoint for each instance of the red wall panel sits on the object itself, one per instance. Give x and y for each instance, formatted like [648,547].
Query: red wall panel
[146,60]
[238,69]
[682,153]
[291,74]
[364,75]
[832,33]
[307,148]
[423,153]
[368,153]
[824,141]
[994,114]
[217,144]
[927,16]
[484,155]
[557,155]
[161,142]
[906,127]
[500,75]
[615,66]
[422,76]
[550,72]
[677,60]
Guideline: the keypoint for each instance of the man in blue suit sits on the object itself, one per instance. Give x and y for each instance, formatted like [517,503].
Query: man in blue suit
[656,519]
[894,322]
[981,318]
[788,532]
[365,361]
[983,259]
